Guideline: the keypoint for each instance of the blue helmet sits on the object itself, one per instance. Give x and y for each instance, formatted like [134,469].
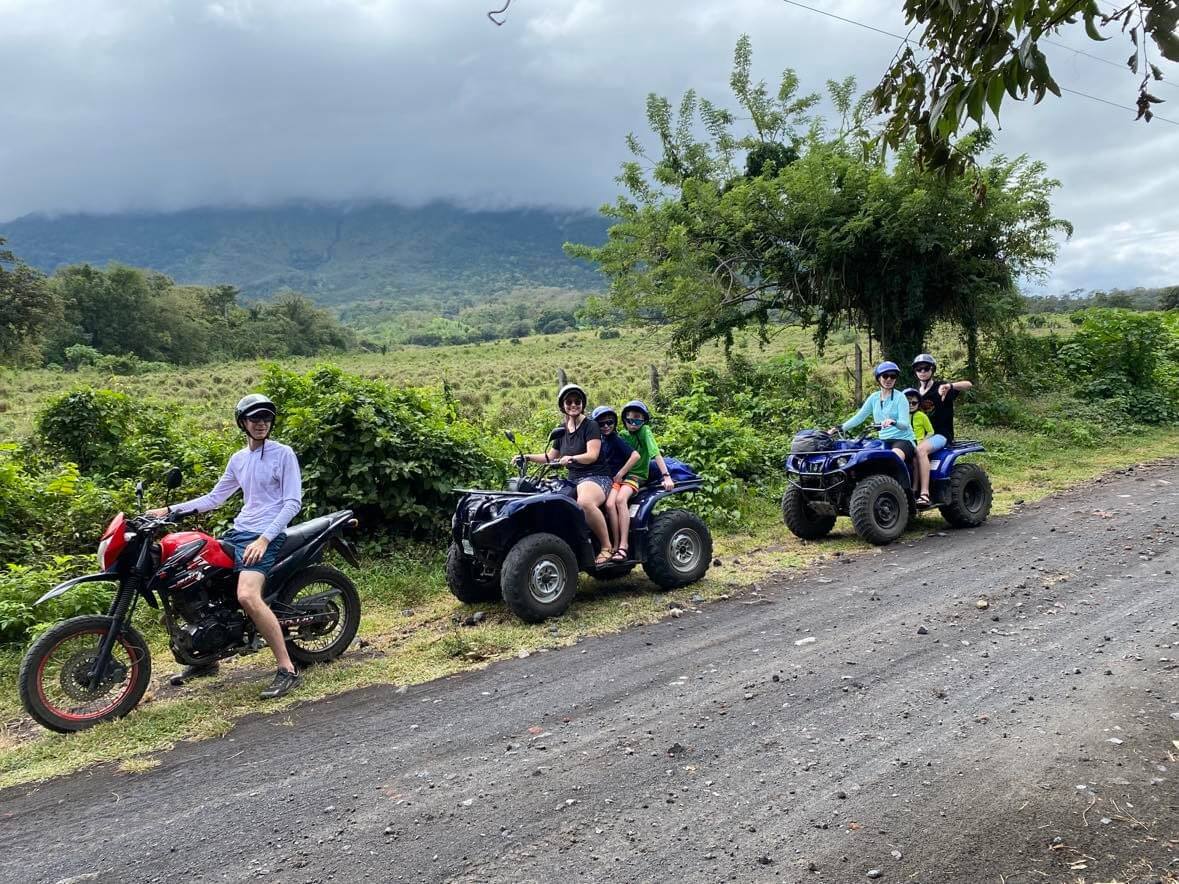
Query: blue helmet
[924,359]
[637,405]
[910,391]
[601,410]
[885,366]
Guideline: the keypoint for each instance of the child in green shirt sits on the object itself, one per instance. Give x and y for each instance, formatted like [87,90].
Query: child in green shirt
[922,429]
[638,436]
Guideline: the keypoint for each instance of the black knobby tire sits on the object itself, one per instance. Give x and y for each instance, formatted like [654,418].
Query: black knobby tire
[46,696]
[463,583]
[311,644]
[970,496]
[879,509]
[679,549]
[538,577]
[801,519]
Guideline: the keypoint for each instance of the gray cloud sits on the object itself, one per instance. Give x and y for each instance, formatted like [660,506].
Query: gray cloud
[167,104]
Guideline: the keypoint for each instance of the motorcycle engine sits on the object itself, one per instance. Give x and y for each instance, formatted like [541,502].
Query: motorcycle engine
[218,629]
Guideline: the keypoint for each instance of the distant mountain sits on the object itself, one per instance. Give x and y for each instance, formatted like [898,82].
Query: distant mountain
[434,257]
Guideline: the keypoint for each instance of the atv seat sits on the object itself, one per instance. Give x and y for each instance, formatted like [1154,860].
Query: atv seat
[303,533]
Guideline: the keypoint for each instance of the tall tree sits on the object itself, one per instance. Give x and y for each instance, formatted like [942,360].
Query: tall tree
[828,238]
[27,308]
[973,54]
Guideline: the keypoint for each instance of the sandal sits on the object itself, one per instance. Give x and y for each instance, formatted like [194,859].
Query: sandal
[620,555]
[923,500]
[603,557]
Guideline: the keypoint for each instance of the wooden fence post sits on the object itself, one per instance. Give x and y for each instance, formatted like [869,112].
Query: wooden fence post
[561,379]
[654,377]
[859,373]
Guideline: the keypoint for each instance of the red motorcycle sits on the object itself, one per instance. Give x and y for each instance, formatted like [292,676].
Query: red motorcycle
[94,668]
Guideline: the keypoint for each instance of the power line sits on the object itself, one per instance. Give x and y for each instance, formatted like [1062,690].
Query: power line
[906,39]
[1112,64]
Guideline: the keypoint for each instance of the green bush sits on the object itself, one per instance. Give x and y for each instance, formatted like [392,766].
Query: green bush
[108,433]
[22,585]
[392,454]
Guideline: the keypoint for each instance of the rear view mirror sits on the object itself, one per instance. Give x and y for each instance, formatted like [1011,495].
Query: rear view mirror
[556,435]
[510,436]
[173,478]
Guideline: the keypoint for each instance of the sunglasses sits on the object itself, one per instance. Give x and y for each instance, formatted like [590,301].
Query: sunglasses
[889,377]
[634,421]
[260,418]
[606,422]
[922,368]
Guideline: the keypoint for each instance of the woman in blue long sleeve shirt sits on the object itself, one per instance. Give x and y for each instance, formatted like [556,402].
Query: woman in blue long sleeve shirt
[889,409]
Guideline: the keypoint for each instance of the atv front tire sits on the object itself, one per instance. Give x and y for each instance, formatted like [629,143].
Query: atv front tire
[679,549]
[879,509]
[803,521]
[465,585]
[970,496]
[539,577]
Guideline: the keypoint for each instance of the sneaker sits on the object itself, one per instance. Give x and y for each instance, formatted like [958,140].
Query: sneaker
[283,683]
[199,670]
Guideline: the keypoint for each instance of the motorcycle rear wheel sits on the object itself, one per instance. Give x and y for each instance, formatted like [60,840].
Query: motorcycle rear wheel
[312,645]
[53,675]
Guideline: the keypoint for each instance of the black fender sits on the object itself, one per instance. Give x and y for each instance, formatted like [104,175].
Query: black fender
[550,513]
[63,588]
[648,503]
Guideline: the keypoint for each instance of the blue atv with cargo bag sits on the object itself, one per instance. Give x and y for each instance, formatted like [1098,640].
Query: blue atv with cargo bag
[529,542]
[829,476]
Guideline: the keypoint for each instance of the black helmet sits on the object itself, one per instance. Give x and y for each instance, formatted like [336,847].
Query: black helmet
[252,404]
[565,391]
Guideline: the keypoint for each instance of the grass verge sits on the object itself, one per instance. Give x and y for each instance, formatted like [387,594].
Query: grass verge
[411,631]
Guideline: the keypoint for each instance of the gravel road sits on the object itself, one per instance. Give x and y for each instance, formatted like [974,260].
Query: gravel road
[992,705]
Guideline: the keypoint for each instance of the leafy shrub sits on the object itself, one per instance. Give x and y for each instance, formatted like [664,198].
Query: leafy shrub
[22,585]
[392,454]
[108,433]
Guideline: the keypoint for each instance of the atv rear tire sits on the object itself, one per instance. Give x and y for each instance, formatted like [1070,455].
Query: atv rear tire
[464,584]
[879,509]
[801,519]
[970,496]
[539,577]
[679,549]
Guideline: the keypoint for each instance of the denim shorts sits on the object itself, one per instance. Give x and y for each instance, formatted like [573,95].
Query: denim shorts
[602,482]
[936,442]
[241,539]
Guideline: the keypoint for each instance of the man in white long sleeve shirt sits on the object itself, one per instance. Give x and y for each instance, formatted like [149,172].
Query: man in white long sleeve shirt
[267,473]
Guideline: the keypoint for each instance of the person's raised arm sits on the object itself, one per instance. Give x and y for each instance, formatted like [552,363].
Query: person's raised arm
[225,488]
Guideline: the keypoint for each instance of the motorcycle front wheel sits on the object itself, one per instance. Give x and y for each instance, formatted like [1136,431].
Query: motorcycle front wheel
[55,675]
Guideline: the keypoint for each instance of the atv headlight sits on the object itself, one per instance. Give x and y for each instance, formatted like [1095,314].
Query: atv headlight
[838,463]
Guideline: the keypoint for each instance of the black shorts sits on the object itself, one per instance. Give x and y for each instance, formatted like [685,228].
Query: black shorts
[906,446]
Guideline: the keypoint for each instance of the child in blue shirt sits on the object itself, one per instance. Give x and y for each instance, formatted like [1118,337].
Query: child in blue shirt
[619,458]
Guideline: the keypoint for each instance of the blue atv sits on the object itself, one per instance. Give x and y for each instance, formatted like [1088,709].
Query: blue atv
[829,476]
[528,543]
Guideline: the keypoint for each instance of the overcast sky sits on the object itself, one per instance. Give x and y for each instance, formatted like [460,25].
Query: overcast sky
[166,104]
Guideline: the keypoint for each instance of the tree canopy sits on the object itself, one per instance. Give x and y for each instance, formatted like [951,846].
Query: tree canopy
[977,53]
[26,308]
[121,317]
[816,232]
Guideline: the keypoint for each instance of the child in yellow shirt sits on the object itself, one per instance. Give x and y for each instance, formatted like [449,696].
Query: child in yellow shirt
[922,429]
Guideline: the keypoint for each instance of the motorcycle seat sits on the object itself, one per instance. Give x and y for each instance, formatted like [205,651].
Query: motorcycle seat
[303,533]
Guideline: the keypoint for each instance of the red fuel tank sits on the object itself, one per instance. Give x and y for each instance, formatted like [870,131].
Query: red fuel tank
[212,553]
